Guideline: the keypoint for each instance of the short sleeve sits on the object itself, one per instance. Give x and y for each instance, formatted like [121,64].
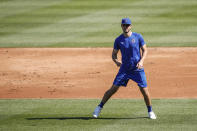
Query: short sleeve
[141,40]
[116,45]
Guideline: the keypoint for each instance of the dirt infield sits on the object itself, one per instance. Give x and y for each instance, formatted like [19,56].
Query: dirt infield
[89,72]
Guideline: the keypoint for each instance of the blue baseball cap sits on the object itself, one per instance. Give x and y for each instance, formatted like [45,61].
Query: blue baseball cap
[126,21]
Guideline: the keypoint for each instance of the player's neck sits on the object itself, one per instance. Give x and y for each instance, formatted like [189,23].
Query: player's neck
[128,34]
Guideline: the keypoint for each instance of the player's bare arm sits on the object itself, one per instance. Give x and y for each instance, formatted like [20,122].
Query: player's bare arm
[115,58]
[144,54]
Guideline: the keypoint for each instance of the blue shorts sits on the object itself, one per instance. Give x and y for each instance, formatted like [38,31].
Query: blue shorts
[137,75]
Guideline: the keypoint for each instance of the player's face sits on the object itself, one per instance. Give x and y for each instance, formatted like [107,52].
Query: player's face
[126,28]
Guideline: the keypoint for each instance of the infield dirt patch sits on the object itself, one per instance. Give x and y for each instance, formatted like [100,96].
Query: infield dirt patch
[89,72]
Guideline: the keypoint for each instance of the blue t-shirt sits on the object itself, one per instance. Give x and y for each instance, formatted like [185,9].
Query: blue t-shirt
[130,49]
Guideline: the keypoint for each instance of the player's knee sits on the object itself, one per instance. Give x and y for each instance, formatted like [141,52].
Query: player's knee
[114,88]
[144,91]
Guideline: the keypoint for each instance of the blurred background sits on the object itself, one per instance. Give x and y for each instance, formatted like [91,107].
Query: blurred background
[96,23]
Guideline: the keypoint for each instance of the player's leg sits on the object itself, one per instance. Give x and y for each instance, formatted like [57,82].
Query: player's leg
[146,95]
[147,100]
[140,78]
[105,98]
[108,94]
[120,80]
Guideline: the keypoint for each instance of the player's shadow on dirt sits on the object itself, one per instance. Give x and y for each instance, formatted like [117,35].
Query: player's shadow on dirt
[85,118]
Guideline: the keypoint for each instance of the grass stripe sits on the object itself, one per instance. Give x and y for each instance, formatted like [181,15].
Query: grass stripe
[75,114]
[9,8]
[92,23]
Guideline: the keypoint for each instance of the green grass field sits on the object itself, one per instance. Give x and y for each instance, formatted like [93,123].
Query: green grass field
[95,23]
[117,115]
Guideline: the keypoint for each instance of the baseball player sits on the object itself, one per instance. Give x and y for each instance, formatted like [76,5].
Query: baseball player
[133,50]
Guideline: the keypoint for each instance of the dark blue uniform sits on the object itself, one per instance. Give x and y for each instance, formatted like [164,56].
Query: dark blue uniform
[130,51]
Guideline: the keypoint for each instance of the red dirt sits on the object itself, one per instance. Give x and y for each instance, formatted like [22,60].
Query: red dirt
[89,72]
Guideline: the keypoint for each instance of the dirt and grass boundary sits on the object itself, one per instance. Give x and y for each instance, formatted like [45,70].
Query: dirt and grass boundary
[89,72]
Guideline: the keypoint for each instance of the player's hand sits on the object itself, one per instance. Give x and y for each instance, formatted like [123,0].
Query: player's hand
[140,65]
[118,63]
